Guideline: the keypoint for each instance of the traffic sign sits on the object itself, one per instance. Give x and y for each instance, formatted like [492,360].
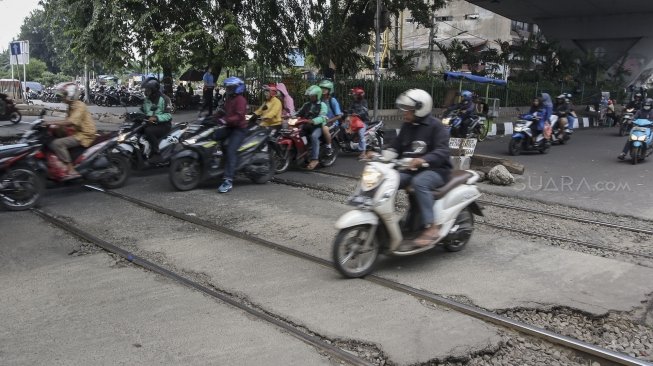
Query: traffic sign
[15,48]
[19,52]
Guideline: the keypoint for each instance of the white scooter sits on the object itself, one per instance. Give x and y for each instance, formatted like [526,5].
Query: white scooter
[374,227]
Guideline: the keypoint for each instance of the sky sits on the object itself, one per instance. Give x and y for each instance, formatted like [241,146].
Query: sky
[12,14]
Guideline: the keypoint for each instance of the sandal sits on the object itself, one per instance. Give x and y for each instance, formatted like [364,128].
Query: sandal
[312,165]
[428,237]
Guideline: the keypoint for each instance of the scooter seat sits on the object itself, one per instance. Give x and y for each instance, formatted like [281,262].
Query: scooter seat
[456,178]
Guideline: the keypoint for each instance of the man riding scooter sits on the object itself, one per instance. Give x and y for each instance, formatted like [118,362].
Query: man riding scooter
[645,113]
[80,119]
[430,170]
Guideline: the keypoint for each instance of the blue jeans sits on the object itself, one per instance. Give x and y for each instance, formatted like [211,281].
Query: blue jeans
[235,136]
[423,184]
[315,142]
[361,135]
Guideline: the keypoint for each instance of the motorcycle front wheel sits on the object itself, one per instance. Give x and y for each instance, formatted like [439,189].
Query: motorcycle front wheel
[185,173]
[635,155]
[22,190]
[282,159]
[120,171]
[351,256]
[515,146]
[15,117]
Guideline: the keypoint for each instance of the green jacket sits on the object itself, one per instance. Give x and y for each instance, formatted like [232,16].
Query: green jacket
[161,113]
[317,113]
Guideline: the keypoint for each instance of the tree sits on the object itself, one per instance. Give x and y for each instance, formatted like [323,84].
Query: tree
[35,68]
[36,29]
[403,63]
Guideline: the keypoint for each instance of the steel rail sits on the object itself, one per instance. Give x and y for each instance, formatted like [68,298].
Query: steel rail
[482,314]
[314,341]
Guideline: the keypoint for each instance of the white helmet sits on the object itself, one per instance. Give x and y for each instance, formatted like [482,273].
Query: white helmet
[415,99]
[67,90]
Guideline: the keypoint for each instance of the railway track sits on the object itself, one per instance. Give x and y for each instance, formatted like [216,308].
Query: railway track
[594,351]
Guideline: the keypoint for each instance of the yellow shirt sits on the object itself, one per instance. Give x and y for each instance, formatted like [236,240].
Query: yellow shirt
[272,115]
[80,117]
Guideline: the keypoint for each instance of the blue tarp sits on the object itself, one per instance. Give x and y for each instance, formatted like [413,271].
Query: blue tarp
[479,79]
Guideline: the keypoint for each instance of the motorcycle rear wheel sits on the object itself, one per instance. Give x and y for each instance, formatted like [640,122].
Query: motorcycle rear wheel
[465,222]
[327,161]
[185,173]
[27,192]
[262,179]
[15,117]
[350,256]
[121,168]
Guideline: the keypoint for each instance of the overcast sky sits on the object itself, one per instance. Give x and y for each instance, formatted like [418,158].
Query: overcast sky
[12,14]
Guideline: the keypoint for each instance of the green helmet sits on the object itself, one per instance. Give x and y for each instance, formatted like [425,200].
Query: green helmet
[313,90]
[327,84]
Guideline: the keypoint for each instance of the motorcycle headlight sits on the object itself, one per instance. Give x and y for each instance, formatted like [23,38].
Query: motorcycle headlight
[446,121]
[633,137]
[190,141]
[122,136]
[641,138]
[370,178]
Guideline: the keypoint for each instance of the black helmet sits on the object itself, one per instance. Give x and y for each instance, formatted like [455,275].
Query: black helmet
[648,104]
[150,85]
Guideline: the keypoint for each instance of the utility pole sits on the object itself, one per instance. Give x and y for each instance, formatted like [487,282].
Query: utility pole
[377,60]
[431,36]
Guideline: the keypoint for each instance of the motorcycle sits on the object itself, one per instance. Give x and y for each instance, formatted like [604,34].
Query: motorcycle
[455,125]
[11,112]
[641,140]
[522,137]
[133,144]
[202,158]
[95,163]
[21,182]
[373,227]
[292,146]
[555,136]
[626,122]
[348,141]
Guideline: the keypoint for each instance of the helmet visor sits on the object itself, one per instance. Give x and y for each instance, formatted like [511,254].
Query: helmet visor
[405,107]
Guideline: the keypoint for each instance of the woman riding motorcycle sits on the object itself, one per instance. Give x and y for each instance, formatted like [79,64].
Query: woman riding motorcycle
[270,111]
[316,111]
[334,112]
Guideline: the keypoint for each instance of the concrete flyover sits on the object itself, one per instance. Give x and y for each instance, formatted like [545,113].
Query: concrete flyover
[611,29]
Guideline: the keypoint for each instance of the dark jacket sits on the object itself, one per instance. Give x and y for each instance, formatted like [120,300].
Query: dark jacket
[235,108]
[432,131]
[359,108]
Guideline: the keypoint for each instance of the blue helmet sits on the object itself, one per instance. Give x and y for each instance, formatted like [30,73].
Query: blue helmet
[466,95]
[234,85]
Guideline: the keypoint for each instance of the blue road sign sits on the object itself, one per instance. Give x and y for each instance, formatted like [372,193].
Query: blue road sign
[15,48]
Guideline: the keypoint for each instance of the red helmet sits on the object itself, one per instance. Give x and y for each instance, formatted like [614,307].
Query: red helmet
[358,92]
[272,88]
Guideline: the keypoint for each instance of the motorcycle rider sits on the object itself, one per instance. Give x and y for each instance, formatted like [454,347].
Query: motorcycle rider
[561,109]
[233,117]
[270,111]
[3,103]
[157,109]
[315,110]
[420,125]
[539,113]
[359,109]
[645,113]
[636,103]
[80,119]
[466,111]
[334,113]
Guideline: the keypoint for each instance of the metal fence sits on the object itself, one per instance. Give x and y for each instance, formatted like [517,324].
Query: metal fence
[512,95]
